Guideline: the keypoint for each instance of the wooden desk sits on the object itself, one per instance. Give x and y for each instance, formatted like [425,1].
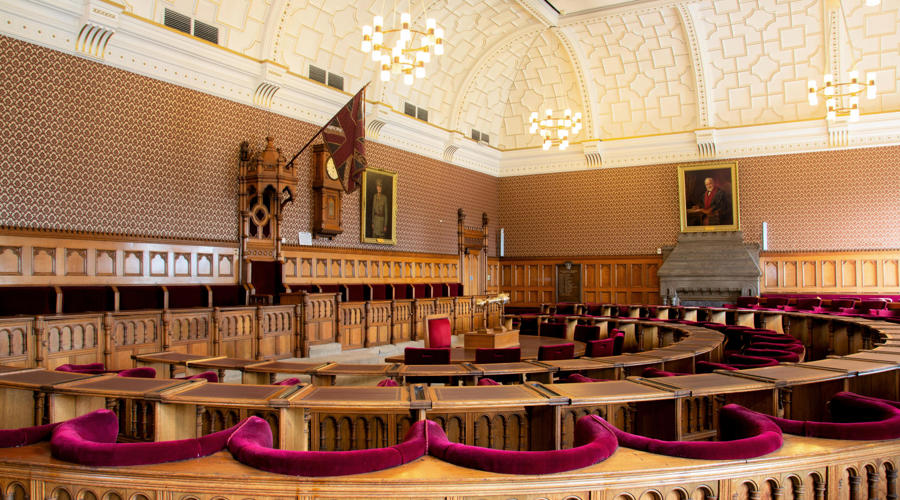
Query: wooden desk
[328,373]
[625,365]
[628,405]
[22,401]
[453,371]
[345,418]
[702,395]
[806,386]
[590,367]
[879,379]
[134,400]
[206,408]
[519,370]
[220,364]
[528,343]
[508,417]
[491,339]
[165,362]
[265,372]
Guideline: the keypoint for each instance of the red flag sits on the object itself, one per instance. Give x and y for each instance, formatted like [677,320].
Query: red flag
[345,136]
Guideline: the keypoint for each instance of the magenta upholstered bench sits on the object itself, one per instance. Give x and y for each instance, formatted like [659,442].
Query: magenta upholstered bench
[251,444]
[91,368]
[743,361]
[388,382]
[139,372]
[710,366]
[780,355]
[743,434]
[12,438]
[852,417]
[594,443]
[91,440]
[488,381]
[288,381]
[656,372]
[577,378]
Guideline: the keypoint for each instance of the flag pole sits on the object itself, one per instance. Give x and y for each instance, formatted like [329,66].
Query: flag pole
[324,127]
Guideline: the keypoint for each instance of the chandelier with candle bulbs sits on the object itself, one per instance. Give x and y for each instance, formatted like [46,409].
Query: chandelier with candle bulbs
[410,52]
[842,98]
[556,130]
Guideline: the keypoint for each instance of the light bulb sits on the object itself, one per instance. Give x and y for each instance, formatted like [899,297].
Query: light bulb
[438,41]
[534,116]
[546,145]
[870,86]
[408,78]
[426,55]
[430,24]
[376,55]
[385,75]
[420,71]
[548,113]
[378,22]
[378,38]
[563,145]
[567,113]
[533,129]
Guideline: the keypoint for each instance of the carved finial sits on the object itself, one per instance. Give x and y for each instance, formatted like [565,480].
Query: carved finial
[460,216]
[484,219]
[245,151]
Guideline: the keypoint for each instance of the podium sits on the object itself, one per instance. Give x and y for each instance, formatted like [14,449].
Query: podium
[491,339]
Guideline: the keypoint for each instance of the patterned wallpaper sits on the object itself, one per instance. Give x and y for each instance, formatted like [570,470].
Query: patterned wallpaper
[831,200]
[87,147]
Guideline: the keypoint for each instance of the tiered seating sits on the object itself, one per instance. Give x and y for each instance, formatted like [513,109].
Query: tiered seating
[853,417]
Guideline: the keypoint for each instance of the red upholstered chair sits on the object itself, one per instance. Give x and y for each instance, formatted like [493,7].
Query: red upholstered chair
[528,324]
[24,436]
[488,381]
[618,337]
[91,440]
[556,351]
[577,378]
[438,331]
[587,333]
[774,302]
[656,372]
[744,302]
[210,376]
[805,304]
[252,443]
[600,348]
[487,355]
[289,381]
[388,382]
[852,417]
[139,372]
[742,433]
[426,356]
[92,368]
[776,354]
[742,361]
[557,330]
[594,442]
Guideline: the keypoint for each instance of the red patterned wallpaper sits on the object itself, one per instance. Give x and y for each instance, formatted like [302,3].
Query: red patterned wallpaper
[88,147]
[830,200]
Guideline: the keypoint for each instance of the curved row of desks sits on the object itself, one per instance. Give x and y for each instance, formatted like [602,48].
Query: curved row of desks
[530,416]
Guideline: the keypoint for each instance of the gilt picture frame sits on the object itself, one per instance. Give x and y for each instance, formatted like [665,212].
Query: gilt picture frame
[708,197]
[378,207]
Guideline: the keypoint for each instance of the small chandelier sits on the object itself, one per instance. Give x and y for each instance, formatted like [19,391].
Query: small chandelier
[842,98]
[403,57]
[556,130]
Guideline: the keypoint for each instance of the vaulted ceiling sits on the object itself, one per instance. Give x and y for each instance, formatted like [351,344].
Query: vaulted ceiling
[632,68]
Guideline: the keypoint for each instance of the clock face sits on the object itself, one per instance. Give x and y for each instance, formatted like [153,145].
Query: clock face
[330,169]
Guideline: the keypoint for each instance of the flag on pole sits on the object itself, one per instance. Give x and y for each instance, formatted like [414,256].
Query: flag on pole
[345,137]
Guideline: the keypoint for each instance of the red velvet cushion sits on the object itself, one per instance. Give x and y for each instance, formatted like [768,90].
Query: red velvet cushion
[577,378]
[780,355]
[556,351]
[742,361]
[855,418]
[439,332]
[709,367]
[743,434]
[797,348]
[289,381]
[488,381]
[210,376]
[251,444]
[85,368]
[656,372]
[139,372]
[90,440]
[10,438]
[598,348]
[487,355]
[426,356]
[587,333]
[593,443]
[387,383]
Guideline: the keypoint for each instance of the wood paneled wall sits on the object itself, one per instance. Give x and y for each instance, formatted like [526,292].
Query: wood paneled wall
[831,272]
[304,266]
[623,280]
[48,258]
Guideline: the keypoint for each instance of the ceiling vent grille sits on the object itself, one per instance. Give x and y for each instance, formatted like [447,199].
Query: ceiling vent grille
[317,74]
[206,31]
[415,111]
[177,21]
[336,81]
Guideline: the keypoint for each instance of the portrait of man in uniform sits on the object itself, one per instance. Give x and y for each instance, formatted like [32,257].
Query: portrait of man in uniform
[379,207]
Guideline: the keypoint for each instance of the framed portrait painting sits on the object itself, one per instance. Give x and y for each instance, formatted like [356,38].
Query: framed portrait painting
[708,197]
[378,211]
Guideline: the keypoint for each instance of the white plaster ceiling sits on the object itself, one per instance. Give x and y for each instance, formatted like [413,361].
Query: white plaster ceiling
[633,68]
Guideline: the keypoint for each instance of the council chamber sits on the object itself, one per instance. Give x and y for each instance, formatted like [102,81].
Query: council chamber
[450,249]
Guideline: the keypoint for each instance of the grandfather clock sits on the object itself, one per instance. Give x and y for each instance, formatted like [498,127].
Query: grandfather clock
[267,184]
[327,191]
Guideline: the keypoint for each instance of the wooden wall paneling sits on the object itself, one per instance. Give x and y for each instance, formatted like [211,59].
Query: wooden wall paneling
[319,320]
[378,323]
[446,306]
[276,329]
[863,272]
[73,338]
[463,307]
[17,342]
[401,320]
[132,333]
[237,332]
[422,308]
[351,324]
[11,260]
[189,331]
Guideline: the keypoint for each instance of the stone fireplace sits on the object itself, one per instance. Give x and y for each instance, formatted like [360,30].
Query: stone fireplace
[709,269]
